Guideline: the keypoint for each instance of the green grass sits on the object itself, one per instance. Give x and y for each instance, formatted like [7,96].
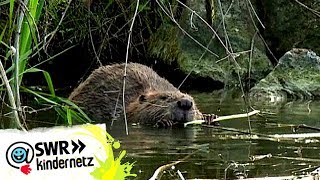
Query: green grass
[20,38]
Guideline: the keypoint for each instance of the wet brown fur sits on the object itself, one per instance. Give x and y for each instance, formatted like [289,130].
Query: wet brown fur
[149,98]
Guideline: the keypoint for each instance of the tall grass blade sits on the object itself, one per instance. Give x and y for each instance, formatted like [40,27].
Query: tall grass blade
[29,32]
[2,33]
[11,13]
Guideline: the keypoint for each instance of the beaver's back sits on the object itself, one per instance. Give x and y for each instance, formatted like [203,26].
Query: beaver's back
[101,92]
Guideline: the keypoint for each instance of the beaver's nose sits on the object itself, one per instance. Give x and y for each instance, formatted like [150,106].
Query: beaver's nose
[185,104]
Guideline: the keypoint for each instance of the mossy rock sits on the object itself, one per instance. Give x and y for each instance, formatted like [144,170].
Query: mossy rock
[215,64]
[297,76]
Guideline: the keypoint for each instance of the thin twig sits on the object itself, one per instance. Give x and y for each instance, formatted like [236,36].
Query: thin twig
[184,31]
[317,13]
[255,14]
[50,58]
[60,22]
[228,44]
[91,40]
[224,27]
[115,110]
[258,31]
[205,51]
[214,32]
[125,67]
[249,73]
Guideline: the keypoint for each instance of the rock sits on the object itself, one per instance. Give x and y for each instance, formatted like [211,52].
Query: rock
[297,76]
[190,56]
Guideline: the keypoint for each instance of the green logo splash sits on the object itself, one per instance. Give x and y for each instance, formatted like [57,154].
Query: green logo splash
[111,168]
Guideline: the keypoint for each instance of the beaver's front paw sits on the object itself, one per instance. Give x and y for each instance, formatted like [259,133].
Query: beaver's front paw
[210,119]
[164,123]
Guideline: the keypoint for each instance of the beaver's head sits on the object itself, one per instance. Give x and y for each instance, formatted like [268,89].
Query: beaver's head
[162,108]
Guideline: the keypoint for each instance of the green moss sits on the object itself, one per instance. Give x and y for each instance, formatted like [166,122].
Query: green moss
[297,75]
[164,45]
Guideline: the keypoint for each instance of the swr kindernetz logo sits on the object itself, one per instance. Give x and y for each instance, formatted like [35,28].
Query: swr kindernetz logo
[20,154]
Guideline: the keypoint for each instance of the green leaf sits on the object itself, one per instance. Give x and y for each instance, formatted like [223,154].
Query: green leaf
[40,96]
[47,77]
[49,82]
[70,103]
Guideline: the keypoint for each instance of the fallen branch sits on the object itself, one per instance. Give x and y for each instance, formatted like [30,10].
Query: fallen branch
[296,136]
[222,118]
[307,127]
[160,170]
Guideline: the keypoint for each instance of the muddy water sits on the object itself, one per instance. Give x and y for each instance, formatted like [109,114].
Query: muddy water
[219,153]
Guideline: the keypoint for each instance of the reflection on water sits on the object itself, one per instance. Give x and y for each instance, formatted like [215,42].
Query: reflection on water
[213,151]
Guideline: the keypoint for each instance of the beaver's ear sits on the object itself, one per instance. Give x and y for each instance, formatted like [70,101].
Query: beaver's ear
[142,98]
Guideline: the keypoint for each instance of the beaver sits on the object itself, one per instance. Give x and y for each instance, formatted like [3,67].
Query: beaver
[149,98]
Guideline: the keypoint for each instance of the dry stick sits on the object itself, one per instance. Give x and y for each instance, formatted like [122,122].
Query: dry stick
[307,127]
[297,159]
[228,44]
[115,110]
[271,137]
[50,58]
[222,118]
[255,14]
[125,68]
[257,30]
[227,40]
[91,40]
[250,56]
[11,97]
[249,73]
[159,172]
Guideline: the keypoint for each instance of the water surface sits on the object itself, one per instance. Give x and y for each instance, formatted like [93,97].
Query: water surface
[218,153]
